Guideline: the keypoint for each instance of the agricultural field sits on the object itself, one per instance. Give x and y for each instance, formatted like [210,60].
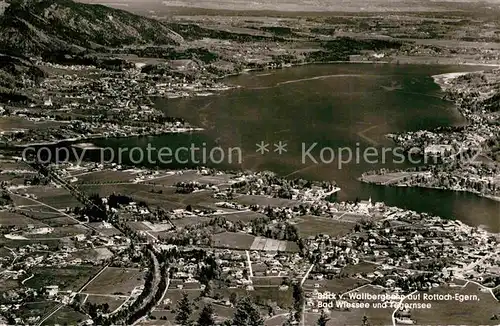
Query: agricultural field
[15,166]
[67,278]
[16,123]
[21,201]
[265,244]
[96,254]
[14,179]
[264,201]
[192,175]
[313,225]
[185,221]
[138,226]
[40,212]
[233,240]
[355,218]
[155,195]
[175,295]
[113,301]
[102,177]
[35,309]
[65,315]
[8,218]
[164,314]
[389,177]
[151,195]
[59,232]
[243,216]
[60,221]
[223,312]
[116,280]
[45,215]
[361,268]
[58,198]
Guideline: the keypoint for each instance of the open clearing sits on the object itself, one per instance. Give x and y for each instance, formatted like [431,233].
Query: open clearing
[265,244]
[60,232]
[244,241]
[106,176]
[35,309]
[113,301]
[16,123]
[265,201]
[192,175]
[155,195]
[245,216]
[116,280]
[40,212]
[65,316]
[12,219]
[233,240]
[58,198]
[67,278]
[191,220]
[313,225]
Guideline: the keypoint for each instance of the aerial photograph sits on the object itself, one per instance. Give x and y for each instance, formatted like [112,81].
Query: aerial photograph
[250,162]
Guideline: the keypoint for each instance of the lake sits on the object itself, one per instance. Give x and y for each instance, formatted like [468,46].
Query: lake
[328,107]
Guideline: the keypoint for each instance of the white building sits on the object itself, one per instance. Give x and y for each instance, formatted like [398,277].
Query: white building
[48,102]
[51,290]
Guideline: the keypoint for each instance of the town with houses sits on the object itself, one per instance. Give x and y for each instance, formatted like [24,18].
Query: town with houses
[94,102]
[98,243]
[88,242]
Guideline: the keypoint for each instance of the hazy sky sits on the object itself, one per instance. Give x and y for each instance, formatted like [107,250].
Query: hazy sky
[304,5]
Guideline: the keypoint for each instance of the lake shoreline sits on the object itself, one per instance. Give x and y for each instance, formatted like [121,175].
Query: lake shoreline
[364,179]
[444,81]
[409,63]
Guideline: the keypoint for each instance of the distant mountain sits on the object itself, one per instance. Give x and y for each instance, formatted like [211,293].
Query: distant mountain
[34,27]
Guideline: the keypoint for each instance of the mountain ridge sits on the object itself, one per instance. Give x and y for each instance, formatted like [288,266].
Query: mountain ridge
[34,27]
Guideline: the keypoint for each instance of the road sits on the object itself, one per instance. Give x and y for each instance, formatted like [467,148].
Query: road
[52,313]
[306,275]
[28,278]
[58,211]
[93,278]
[481,286]
[249,262]
[302,322]
[48,206]
[399,305]
[80,291]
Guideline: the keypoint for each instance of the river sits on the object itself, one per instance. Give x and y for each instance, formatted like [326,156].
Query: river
[328,107]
